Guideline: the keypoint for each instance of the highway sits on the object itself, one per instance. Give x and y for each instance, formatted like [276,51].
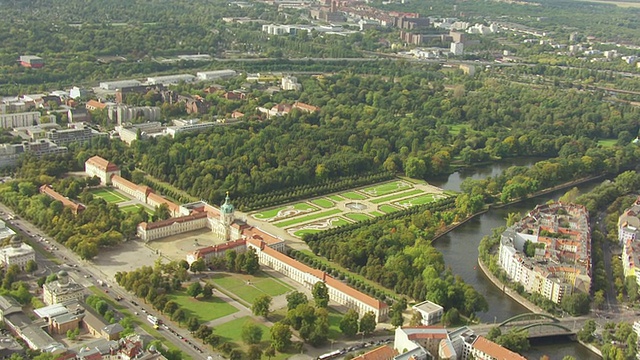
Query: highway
[86,274]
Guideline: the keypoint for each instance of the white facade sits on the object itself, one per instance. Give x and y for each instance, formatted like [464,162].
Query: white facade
[62,290]
[103,169]
[430,311]
[290,83]
[173,130]
[122,84]
[10,121]
[170,79]
[216,75]
[457,48]
[17,253]
[170,227]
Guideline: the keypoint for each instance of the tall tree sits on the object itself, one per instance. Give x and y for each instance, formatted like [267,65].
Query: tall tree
[349,323]
[320,294]
[280,336]
[368,323]
[296,298]
[261,305]
[251,333]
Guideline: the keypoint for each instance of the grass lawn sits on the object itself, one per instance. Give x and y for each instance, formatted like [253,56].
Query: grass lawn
[336,198]
[325,203]
[110,196]
[302,219]
[357,216]
[232,332]
[334,324]
[607,143]
[258,285]
[204,310]
[353,196]
[411,180]
[425,199]
[387,188]
[268,214]
[387,208]
[376,213]
[134,209]
[299,233]
[397,196]
[455,129]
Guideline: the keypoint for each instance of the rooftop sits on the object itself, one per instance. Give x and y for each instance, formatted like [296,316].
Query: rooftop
[382,353]
[102,164]
[494,350]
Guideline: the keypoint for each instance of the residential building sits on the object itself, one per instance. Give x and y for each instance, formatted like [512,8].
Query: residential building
[307,276]
[76,208]
[81,133]
[31,61]
[457,48]
[628,229]
[93,105]
[78,115]
[77,92]
[11,153]
[382,353]
[170,79]
[235,95]
[62,290]
[17,253]
[559,251]
[430,311]
[305,107]
[216,75]
[121,84]
[290,83]
[122,114]
[10,121]
[103,169]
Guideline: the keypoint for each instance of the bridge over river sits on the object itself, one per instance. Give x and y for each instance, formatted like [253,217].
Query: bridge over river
[537,325]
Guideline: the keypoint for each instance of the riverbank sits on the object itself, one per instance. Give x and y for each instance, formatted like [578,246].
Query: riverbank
[510,292]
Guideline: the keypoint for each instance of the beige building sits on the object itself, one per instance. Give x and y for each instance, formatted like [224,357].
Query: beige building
[62,290]
[103,169]
[17,253]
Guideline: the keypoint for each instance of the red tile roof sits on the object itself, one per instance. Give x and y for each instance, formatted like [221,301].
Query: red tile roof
[382,353]
[128,184]
[93,104]
[157,200]
[305,107]
[257,234]
[336,284]
[171,221]
[218,248]
[75,207]
[102,164]
[495,351]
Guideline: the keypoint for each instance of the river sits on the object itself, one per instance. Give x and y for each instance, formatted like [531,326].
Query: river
[460,250]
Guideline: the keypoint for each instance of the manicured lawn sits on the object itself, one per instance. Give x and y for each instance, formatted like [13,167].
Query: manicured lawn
[248,287]
[302,219]
[455,129]
[397,196]
[334,324]
[110,196]
[268,214]
[606,143]
[232,332]
[325,203]
[376,213]
[299,233]
[204,310]
[134,209]
[425,199]
[387,208]
[357,216]
[353,196]
[387,188]
[336,198]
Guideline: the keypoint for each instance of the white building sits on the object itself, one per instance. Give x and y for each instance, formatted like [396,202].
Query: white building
[122,114]
[290,83]
[431,312]
[188,126]
[62,290]
[121,84]
[103,169]
[17,253]
[457,48]
[216,75]
[77,92]
[10,153]
[10,121]
[307,276]
[170,79]
[5,232]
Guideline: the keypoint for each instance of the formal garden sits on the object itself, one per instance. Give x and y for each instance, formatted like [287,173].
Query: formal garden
[354,205]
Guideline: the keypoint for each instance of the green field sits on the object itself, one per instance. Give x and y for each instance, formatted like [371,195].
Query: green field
[376,213]
[387,208]
[268,214]
[134,209]
[109,195]
[302,219]
[425,199]
[607,143]
[337,222]
[357,216]
[247,287]
[397,196]
[232,332]
[302,232]
[387,188]
[353,196]
[204,310]
[455,129]
[325,203]
[335,198]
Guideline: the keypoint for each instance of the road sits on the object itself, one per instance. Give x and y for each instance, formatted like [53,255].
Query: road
[87,274]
